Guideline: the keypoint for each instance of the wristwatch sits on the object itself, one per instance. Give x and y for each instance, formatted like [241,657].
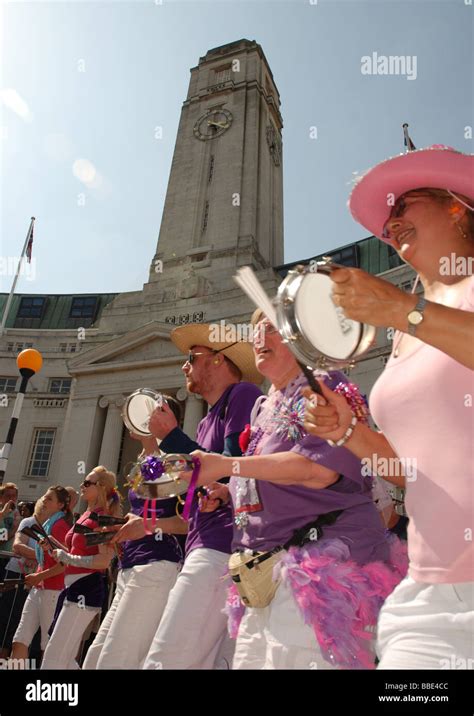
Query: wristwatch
[415,317]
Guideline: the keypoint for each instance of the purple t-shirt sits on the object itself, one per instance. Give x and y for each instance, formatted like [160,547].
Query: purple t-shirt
[213,530]
[152,548]
[267,514]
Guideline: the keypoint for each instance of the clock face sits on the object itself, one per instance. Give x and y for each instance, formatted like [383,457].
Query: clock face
[212,124]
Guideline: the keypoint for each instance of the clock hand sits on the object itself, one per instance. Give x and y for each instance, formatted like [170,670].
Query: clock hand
[217,124]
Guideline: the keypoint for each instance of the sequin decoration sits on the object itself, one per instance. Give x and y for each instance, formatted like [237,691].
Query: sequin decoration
[357,401]
[288,420]
[241,520]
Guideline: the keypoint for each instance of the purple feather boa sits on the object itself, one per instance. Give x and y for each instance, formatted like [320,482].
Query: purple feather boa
[336,596]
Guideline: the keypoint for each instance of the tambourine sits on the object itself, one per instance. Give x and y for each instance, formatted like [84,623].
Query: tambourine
[315,329]
[138,408]
[157,477]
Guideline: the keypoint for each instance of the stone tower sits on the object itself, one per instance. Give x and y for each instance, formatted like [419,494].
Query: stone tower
[224,203]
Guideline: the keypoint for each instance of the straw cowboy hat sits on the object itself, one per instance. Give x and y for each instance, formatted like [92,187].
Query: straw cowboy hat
[200,334]
[436,167]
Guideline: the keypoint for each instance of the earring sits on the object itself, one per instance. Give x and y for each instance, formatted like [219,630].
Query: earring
[216,361]
[461,230]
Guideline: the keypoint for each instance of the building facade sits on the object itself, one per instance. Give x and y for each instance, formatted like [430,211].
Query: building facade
[223,210]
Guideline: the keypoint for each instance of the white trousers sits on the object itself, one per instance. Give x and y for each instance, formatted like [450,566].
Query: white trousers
[38,612]
[193,629]
[427,626]
[129,626]
[69,629]
[276,637]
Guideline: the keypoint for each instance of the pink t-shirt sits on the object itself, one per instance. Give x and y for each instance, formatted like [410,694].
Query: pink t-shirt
[422,402]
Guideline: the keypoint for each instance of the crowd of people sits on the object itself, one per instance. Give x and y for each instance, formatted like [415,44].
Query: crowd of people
[289,558]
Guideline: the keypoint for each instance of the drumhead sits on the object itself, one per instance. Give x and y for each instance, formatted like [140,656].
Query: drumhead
[321,322]
[138,408]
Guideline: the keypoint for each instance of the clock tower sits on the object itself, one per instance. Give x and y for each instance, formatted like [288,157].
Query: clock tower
[224,202]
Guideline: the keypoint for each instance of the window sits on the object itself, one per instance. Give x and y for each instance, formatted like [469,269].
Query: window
[211,168]
[406,286]
[349,256]
[60,385]
[18,347]
[83,307]
[67,347]
[8,385]
[41,451]
[206,216]
[394,259]
[31,307]
[222,74]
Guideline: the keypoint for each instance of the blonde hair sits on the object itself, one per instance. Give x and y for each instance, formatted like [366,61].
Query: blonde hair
[108,497]
[257,316]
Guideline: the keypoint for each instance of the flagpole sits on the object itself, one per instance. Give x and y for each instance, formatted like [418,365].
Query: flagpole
[10,297]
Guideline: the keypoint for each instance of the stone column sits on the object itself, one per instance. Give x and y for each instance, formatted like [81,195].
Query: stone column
[110,447]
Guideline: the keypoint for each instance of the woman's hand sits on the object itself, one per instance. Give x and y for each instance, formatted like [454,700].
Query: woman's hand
[327,416]
[213,467]
[371,300]
[132,529]
[31,580]
[217,496]
[45,546]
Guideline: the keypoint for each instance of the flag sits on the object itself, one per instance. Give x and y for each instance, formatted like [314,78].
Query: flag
[29,247]
[408,143]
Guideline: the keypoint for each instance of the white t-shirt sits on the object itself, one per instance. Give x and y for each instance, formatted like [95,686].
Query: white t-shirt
[16,564]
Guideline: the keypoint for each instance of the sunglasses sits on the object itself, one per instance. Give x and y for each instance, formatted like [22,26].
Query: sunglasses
[191,356]
[88,483]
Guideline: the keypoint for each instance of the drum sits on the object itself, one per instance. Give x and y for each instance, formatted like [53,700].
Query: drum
[166,485]
[138,408]
[315,329]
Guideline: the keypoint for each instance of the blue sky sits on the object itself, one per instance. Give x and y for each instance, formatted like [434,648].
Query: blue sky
[92,80]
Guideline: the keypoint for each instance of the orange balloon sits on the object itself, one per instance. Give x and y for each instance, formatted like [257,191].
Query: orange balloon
[30,358]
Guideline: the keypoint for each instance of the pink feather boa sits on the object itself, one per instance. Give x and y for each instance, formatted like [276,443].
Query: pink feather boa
[336,596]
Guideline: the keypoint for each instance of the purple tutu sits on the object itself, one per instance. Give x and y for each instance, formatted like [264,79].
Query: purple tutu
[338,598]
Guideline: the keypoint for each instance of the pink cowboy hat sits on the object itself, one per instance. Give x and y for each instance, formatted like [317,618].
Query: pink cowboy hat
[436,167]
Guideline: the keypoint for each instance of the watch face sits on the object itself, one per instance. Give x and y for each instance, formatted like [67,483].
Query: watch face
[212,124]
[415,318]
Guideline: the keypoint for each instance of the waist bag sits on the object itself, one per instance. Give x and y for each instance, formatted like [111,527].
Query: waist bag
[253,573]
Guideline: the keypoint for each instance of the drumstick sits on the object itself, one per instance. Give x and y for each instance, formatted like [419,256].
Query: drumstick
[313,383]
[249,283]
[39,528]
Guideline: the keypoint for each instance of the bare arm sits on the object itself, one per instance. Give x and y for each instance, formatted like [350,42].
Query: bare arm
[170,525]
[284,468]
[328,417]
[21,549]
[451,330]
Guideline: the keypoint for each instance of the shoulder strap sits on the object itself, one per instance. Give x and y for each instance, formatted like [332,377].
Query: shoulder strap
[301,536]
[223,410]
[256,408]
